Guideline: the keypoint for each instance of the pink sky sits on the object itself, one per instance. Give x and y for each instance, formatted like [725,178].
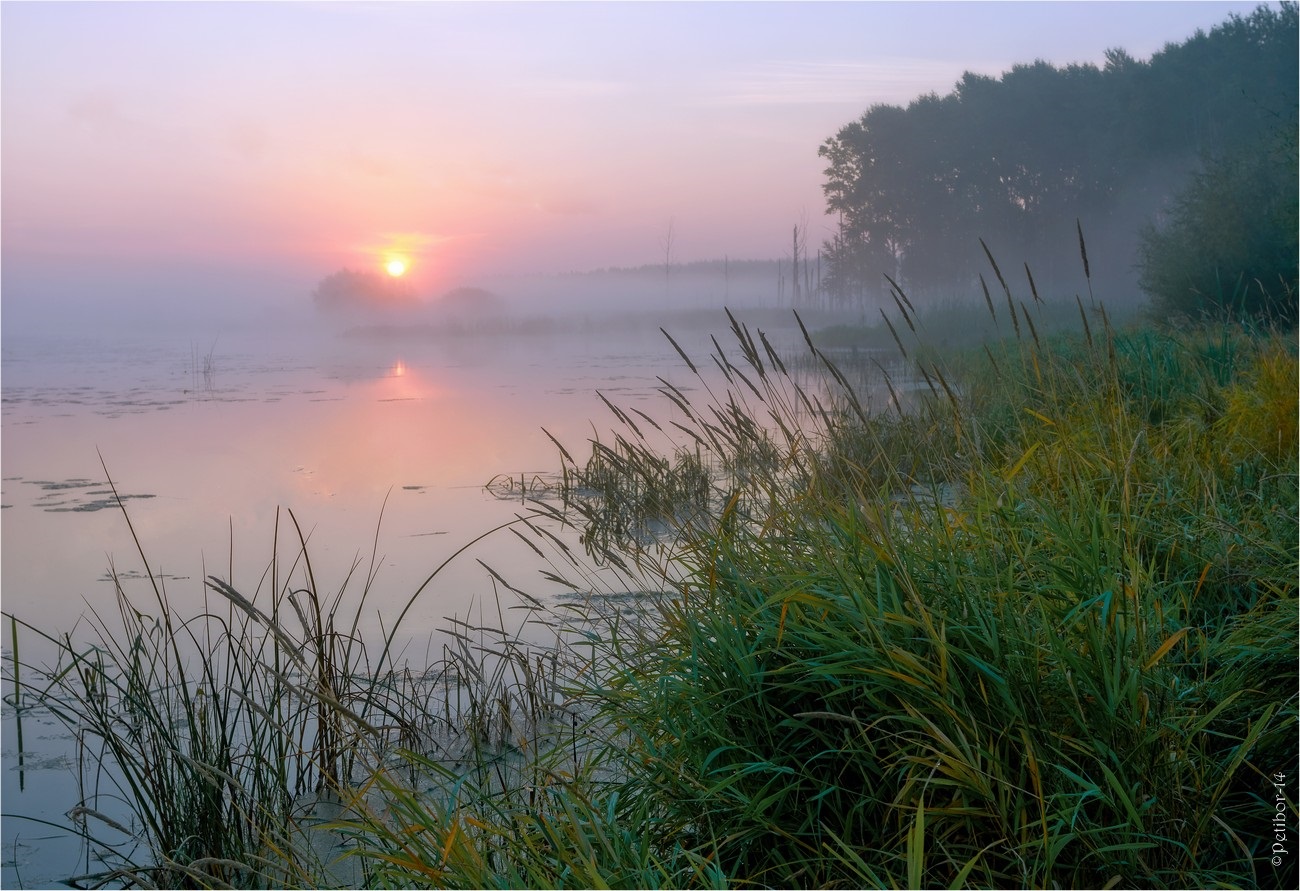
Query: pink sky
[147,147]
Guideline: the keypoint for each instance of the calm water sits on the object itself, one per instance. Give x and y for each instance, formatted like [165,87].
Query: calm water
[206,440]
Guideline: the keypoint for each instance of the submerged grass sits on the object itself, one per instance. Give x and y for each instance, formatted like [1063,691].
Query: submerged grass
[1034,626]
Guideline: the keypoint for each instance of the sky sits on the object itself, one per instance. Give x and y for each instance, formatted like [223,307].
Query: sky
[176,157]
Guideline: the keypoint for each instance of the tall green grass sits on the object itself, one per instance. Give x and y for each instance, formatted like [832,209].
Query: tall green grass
[1039,629]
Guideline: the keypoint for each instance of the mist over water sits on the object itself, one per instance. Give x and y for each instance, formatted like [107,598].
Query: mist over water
[219,433]
[381,446]
[212,404]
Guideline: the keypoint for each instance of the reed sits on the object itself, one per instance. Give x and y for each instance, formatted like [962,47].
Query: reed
[214,732]
[262,742]
[1020,633]
[223,748]
[16,699]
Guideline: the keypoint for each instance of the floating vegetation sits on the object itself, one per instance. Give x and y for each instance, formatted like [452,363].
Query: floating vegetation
[66,484]
[88,506]
[134,575]
[87,495]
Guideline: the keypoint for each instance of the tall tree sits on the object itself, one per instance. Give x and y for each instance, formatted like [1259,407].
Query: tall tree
[1229,245]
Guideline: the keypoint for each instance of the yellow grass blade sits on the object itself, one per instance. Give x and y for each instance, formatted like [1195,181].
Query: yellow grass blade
[1165,648]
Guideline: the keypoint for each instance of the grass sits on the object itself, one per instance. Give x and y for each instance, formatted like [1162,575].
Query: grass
[1020,615]
[231,748]
[211,731]
[1038,630]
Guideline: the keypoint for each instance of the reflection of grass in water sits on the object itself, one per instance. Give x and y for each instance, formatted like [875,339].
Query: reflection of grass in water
[523,486]
[1028,631]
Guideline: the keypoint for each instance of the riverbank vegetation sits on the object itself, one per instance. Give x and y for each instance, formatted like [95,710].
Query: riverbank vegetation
[1035,626]
[1023,614]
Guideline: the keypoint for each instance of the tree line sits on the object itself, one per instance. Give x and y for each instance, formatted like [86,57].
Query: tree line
[1136,153]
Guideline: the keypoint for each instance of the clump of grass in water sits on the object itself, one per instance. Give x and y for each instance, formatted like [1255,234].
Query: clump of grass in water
[237,743]
[213,731]
[630,494]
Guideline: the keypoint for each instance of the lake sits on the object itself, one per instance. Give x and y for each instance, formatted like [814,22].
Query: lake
[207,441]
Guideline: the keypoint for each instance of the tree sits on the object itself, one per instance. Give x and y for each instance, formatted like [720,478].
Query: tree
[349,291]
[1229,245]
[1016,160]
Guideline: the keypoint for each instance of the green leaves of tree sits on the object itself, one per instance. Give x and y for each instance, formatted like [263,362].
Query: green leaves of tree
[1229,245]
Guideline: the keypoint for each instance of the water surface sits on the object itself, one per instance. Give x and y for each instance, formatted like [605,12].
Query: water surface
[209,442]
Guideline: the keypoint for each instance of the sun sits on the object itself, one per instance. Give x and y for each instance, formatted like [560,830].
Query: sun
[396,267]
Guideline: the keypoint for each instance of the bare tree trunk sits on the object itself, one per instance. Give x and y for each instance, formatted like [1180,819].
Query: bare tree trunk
[819,271]
[794,270]
[667,244]
[807,280]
